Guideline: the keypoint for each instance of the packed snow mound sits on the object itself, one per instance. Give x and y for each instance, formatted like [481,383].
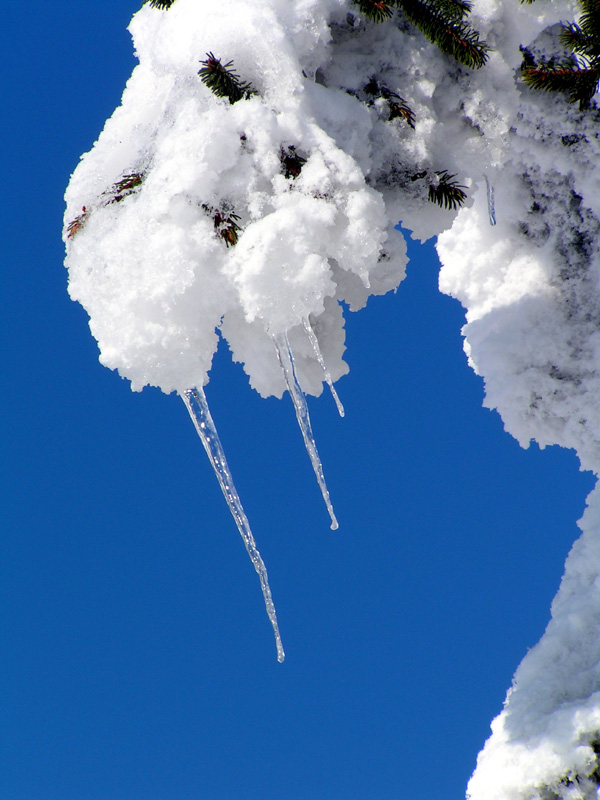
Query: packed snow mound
[194,218]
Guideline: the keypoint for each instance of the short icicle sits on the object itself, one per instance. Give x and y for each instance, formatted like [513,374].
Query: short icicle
[490,201]
[286,359]
[195,401]
[315,346]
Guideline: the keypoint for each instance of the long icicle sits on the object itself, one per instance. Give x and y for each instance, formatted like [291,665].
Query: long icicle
[196,404]
[315,346]
[286,359]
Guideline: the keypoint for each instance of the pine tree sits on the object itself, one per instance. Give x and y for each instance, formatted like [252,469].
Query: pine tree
[577,74]
[223,81]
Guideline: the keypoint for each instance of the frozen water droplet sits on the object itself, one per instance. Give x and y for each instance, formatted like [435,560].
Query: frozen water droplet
[195,401]
[315,345]
[286,359]
[490,201]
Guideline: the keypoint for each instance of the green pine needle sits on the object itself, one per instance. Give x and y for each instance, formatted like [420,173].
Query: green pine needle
[77,224]
[447,193]
[577,75]
[398,107]
[124,187]
[291,162]
[578,83]
[455,37]
[453,9]
[590,24]
[162,4]
[223,81]
[573,38]
[225,223]
[375,10]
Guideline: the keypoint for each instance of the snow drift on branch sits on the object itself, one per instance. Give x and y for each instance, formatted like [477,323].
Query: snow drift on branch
[155,271]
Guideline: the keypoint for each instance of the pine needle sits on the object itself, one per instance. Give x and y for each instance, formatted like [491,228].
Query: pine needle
[447,193]
[223,81]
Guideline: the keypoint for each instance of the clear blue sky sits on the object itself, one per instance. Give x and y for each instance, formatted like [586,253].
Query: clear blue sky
[136,659]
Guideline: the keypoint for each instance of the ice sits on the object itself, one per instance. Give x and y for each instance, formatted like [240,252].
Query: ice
[195,401]
[286,359]
[315,345]
[490,201]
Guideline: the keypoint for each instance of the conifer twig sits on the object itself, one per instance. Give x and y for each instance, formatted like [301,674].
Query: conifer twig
[77,224]
[375,10]
[225,223]
[124,187]
[442,23]
[447,192]
[162,4]
[398,107]
[578,83]
[223,81]
[291,161]
[577,74]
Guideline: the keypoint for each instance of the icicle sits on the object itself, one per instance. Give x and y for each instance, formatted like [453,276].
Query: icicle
[315,345]
[195,401]
[286,359]
[490,201]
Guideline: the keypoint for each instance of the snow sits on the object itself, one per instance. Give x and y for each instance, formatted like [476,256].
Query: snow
[161,284]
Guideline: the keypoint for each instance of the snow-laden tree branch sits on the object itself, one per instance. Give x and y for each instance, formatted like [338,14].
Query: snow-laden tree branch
[248,188]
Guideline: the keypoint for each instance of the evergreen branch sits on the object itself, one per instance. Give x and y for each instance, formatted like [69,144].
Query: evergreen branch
[453,9]
[398,107]
[447,193]
[574,38]
[162,4]
[291,162]
[375,10]
[590,22]
[225,224]
[578,79]
[223,81]
[77,224]
[124,187]
[579,83]
[455,38]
